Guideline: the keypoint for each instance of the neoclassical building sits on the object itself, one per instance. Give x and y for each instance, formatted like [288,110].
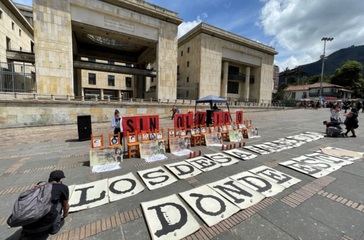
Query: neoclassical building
[127,48]
[212,61]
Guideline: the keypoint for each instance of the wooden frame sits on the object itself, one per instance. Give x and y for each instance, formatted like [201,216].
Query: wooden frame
[97,141]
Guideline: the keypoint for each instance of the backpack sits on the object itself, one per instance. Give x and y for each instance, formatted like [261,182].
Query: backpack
[333,131]
[31,205]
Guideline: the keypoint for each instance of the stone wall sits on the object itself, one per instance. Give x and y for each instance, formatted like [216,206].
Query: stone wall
[21,113]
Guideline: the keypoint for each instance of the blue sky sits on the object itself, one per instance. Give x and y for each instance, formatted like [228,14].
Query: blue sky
[293,27]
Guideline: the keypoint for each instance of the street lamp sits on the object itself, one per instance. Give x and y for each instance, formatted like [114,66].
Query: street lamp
[325,39]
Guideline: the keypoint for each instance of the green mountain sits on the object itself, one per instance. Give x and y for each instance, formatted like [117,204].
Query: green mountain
[334,60]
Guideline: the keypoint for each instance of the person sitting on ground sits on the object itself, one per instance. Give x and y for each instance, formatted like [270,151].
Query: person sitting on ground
[52,222]
[351,122]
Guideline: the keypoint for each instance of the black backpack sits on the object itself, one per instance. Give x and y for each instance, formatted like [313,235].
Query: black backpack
[31,205]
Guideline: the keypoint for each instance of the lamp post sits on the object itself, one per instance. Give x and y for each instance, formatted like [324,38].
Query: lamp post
[325,39]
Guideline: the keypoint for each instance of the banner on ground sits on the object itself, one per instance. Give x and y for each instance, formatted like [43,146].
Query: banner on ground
[153,151]
[213,139]
[235,136]
[107,159]
[179,146]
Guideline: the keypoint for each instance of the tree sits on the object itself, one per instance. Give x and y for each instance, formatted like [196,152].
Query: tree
[279,95]
[347,74]
[350,75]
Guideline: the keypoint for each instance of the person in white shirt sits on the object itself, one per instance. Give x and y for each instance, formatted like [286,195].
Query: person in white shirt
[117,123]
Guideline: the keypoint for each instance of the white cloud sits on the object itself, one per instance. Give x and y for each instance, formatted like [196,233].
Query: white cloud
[185,27]
[297,27]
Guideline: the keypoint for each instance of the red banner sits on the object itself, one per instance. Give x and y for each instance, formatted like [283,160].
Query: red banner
[189,120]
[200,119]
[226,118]
[239,117]
[140,123]
[218,118]
[179,121]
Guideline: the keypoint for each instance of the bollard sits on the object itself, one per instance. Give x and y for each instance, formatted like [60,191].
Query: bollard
[190,155]
[35,96]
[199,152]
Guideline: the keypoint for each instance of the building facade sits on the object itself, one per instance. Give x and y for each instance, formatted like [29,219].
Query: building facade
[16,36]
[212,61]
[312,91]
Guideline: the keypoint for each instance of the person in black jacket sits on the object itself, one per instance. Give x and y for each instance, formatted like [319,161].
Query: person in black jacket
[351,122]
[53,221]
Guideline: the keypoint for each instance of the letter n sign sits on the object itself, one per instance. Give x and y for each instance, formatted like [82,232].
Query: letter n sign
[239,117]
[179,121]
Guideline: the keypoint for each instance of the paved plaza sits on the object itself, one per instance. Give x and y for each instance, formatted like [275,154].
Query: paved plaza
[330,207]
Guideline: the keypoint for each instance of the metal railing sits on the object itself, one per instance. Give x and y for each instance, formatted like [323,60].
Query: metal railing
[17,77]
[23,96]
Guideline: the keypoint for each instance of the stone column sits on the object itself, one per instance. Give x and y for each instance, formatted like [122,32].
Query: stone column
[225,78]
[247,84]
[167,62]
[53,47]
[102,94]
[120,96]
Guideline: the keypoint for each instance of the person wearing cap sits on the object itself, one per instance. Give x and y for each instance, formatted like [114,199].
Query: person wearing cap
[52,222]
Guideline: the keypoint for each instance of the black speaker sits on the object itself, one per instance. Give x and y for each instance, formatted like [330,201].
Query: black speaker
[209,117]
[84,127]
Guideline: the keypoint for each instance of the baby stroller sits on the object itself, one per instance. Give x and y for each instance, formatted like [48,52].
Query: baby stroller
[333,129]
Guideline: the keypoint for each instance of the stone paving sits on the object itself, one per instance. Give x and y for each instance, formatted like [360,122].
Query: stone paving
[330,208]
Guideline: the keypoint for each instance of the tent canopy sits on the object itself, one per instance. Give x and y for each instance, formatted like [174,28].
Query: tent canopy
[211,99]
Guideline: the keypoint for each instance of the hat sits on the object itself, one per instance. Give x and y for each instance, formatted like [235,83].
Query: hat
[56,175]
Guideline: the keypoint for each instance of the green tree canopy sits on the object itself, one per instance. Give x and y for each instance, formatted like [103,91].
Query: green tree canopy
[348,74]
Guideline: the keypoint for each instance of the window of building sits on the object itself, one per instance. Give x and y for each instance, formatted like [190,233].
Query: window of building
[187,93]
[8,43]
[111,80]
[188,79]
[92,78]
[233,87]
[188,63]
[188,50]
[12,25]
[31,46]
[152,79]
[181,53]
[19,32]
[177,69]
[252,79]
[128,82]
[21,49]
[1,14]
